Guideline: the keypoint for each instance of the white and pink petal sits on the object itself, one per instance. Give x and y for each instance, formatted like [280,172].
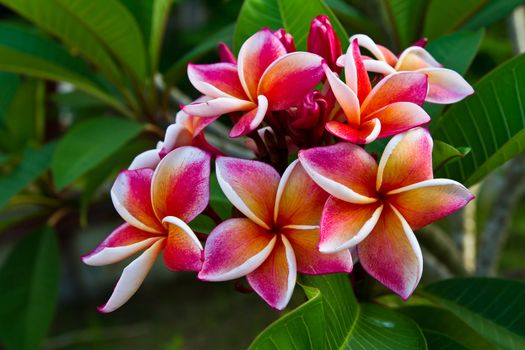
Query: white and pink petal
[183,250]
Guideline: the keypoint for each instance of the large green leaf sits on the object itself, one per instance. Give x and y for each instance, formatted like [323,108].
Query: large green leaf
[444,16]
[151,17]
[29,290]
[492,307]
[300,329]
[88,144]
[24,118]
[368,327]
[441,341]
[33,164]
[493,11]
[178,70]
[446,323]
[293,15]
[23,50]
[57,20]
[491,123]
[8,86]
[402,15]
[442,153]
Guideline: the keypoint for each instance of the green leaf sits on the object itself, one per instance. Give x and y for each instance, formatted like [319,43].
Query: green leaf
[444,16]
[33,164]
[24,118]
[151,16]
[353,20]
[440,341]
[29,290]
[444,322]
[353,326]
[114,27]
[442,153]
[300,329]
[402,16]
[178,70]
[491,123]
[88,144]
[25,51]
[57,20]
[492,12]
[291,15]
[8,86]
[492,307]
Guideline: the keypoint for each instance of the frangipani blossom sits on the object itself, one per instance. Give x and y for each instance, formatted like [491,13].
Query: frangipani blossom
[278,238]
[265,78]
[444,85]
[188,130]
[376,207]
[391,107]
[156,207]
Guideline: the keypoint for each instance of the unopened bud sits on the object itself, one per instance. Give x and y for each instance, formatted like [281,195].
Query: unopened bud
[323,41]
[225,54]
[310,111]
[286,39]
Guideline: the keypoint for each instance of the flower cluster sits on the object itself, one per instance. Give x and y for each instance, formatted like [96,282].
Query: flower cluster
[316,215]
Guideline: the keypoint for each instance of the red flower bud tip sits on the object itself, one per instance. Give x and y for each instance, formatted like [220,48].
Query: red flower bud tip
[421,42]
[323,41]
[310,111]
[286,39]
[225,54]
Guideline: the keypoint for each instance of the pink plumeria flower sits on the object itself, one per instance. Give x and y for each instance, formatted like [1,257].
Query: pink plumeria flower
[266,78]
[391,107]
[156,207]
[278,238]
[444,85]
[377,207]
[188,130]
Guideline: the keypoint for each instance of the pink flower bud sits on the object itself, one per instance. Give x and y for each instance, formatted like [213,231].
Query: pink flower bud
[286,39]
[310,111]
[225,54]
[323,41]
[421,42]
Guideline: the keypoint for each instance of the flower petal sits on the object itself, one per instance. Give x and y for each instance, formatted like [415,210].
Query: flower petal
[218,106]
[132,278]
[399,117]
[299,200]
[250,120]
[251,186]
[234,249]
[366,133]
[407,159]
[376,66]
[366,42]
[287,80]
[177,135]
[446,86]
[216,80]
[183,250]
[255,55]
[391,254]
[397,87]
[346,98]
[344,170]
[427,201]
[343,225]
[415,58]
[123,242]
[275,279]
[355,72]
[147,159]
[131,195]
[310,260]
[181,184]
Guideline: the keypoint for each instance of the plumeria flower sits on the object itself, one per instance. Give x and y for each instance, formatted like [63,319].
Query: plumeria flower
[377,207]
[156,207]
[188,130]
[279,235]
[265,78]
[444,85]
[391,107]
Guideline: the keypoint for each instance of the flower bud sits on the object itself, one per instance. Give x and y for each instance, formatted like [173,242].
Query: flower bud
[312,109]
[225,54]
[323,41]
[286,39]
